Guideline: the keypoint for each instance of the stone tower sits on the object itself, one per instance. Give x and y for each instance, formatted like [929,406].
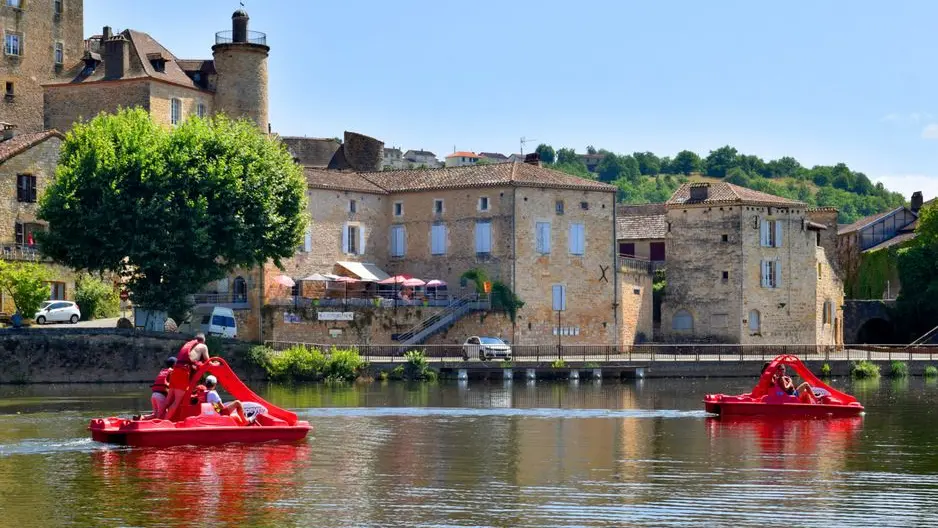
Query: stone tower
[241,65]
[40,39]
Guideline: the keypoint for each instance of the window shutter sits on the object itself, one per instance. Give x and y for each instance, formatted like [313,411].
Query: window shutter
[32,188]
[763,232]
[763,266]
[580,239]
[778,273]
[308,240]
[345,238]
[559,297]
[361,240]
[778,234]
[19,234]
[402,240]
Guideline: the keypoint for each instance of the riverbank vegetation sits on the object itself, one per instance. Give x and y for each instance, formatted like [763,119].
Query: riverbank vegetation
[644,177]
[898,369]
[864,370]
[96,298]
[300,363]
[917,306]
[25,283]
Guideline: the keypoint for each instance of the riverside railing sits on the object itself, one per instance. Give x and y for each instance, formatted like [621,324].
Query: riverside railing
[646,353]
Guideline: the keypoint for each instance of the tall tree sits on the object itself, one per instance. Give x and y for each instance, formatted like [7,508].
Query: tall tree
[917,305]
[546,153]
[610,168]
[686,162]
[648,163]
[171,210]
[590,149]
[567,155]
[721,160]
[25,283]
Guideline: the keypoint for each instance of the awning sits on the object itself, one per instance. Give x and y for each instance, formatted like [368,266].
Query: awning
[365,271]
[814,226]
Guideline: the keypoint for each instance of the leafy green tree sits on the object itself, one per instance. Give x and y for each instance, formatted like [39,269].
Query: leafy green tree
[842,178]
[721,160]
[575,168]
[917,305]
[26,283]
[484,161]
[546,153]
[738,176]
[648,163]
[821,175]
[752,165]
[686,162]
[567,155]
[665,166]
[613,167]
[590,149]
[97,298]
[862,184]
[171,210]
[783,167]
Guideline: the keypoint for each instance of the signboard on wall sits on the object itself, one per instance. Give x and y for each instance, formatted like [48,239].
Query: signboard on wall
[335,332]
[336,316]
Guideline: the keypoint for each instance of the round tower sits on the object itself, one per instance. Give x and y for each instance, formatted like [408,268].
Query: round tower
[241,67]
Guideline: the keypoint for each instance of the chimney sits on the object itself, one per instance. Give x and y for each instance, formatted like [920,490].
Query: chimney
[116,57]
[917,200]
[533,159]
[239,26]
[699,192]
[106,33]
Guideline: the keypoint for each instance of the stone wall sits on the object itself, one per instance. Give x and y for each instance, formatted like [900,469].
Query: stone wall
[636,310]
[460,214]
[372,326]
[829,285]
[241,84]
[39,161]
[85,355]
[162,94]
[67,104]
[487,324]
[589,279]
[697,259]
[40,29]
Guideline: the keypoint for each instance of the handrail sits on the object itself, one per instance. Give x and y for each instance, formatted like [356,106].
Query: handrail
[433,319]
[925,337]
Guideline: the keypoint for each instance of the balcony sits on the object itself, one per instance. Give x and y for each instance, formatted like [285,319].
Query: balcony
[640,265]
[230,300]
[253,37]
[21,252]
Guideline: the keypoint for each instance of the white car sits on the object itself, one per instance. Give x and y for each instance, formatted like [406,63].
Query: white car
[486,348]
[57,312]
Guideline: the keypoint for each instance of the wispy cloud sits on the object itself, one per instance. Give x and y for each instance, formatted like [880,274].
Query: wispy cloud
[930,131]
[913,117]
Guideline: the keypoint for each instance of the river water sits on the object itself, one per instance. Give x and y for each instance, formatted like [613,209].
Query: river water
[482,454]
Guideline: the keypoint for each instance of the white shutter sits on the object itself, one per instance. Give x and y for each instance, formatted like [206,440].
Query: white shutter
[763,272]
[778,234]
[345,238]
[778,273]
[763,232]
[438,240]
[483,237]
[361,240]
[308,240]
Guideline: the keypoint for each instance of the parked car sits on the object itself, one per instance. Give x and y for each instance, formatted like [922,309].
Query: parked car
[486,348]
[210,320]
[57,312]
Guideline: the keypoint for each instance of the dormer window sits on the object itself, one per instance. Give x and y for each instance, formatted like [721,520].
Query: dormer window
[158,61]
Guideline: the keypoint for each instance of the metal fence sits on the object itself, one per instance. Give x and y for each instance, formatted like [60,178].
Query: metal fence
[638,353]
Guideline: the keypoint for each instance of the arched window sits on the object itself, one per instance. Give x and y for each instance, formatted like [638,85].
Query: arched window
[683,321]
[755,321]
[240,290]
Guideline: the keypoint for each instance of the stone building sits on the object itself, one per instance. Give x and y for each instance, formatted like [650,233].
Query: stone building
[27,166]
[752,268]
[641,231]
[421,159]
[131,69]
[549,236]
[882,231]
[39,39]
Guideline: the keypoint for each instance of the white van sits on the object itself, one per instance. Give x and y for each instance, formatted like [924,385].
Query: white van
[211,320]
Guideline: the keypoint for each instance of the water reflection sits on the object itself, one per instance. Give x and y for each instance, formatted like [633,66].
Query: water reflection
[484,454]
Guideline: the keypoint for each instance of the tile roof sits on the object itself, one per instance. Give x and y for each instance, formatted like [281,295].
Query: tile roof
[419,153]
[340,181]
[724,192]
[475,176]
[493,175]
[641,224]
[19,144]
[140,46]
[849,228]
[462,153]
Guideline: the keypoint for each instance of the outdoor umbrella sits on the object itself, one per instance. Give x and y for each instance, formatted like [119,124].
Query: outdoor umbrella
[283,280]
[436,284]
[395,280]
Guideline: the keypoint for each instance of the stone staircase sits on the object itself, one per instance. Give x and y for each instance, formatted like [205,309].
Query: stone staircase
[439,322]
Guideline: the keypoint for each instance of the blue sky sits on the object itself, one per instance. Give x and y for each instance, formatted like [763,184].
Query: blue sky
[821,81]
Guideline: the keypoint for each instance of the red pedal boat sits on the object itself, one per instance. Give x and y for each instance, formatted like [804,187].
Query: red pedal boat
[767,400]
[189,426]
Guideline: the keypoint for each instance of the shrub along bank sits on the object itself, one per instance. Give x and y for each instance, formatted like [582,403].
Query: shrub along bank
[300,363]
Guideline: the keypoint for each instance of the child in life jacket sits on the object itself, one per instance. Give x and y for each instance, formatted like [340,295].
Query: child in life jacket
[212,397]
[160,388]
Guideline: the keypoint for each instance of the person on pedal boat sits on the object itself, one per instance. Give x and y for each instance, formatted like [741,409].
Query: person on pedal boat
[160,389]
[190,358]
[212,397]
[785,385]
